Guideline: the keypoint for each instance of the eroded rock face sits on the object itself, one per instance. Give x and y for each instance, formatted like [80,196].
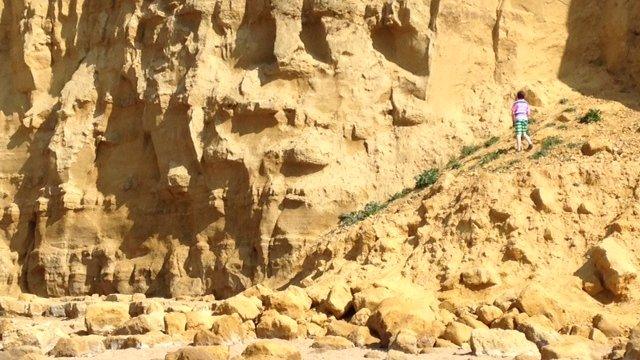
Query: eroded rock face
[189,148]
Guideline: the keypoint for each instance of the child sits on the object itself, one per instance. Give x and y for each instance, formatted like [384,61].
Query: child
[520,112]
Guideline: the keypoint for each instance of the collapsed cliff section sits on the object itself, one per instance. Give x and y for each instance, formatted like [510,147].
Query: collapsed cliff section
[191,147]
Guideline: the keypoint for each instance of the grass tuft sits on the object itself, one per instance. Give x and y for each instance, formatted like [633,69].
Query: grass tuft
[491,141]
[592,116]
[427,178]
[547,144]
[468,150]
[454,164]
[370,209]
[399,195]
[491,157]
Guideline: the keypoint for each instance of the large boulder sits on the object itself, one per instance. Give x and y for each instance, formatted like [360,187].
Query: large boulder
[105,317]
[572,347]
[175,323]
[199,319]
[338,301]
[247,307]
[502,343]
[275,325]
[398,313]
[370,298]
[78,346]
[293,302]
[615,266]
[142,324]
[200,353]
[230,328]
[457,333]
[271,350]
[538,329]
[535,300]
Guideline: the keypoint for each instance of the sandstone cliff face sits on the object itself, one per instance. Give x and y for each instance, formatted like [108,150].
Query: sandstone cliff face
[191,147]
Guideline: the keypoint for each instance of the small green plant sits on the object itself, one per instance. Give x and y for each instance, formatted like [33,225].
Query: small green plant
[356,216]
[399,195]
[491,141]
[547,144]
[427,178]
[564,101]
[570,110]
[592,116]
[574,145]
[491,157]
[563,127]
[454,164]
[468,150]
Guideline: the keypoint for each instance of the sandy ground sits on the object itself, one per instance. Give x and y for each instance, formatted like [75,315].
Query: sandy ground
[159,352]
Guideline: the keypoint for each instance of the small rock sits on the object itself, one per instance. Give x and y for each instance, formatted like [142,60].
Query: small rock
[609,327]
[200,353]
[247,307]
[175,322]
[78,346]
[594,146]
[480,278]
[361,317]
[207,338]
[574,347]
[275,325]
[331,342]
[488,313]
[405,341]
[271,350]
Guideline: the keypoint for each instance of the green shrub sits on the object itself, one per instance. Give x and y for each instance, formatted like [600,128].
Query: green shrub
[357,216]
[468,150]
[563,127]
[427,178]
[454,164]
[592,116]
[491,157]
[491,141]
[547,144]
[399,195]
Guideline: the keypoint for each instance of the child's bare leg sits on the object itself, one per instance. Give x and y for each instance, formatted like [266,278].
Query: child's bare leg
[528,139]
[519,142]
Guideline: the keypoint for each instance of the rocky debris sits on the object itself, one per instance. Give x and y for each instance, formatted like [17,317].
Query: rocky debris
[370,298]
[575,347]
[608,326]
[615,266]
[200,353]
[538,329]
[632,348]
[207,338]
[405,341]
[230,328]
[78,346]
[479,278]
[502,343]
[105,317]
[361,317]
[275,325]
[200,319]
[331,342]
[338,300]
[270,350]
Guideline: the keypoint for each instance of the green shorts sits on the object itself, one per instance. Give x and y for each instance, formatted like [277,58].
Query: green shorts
[522,127]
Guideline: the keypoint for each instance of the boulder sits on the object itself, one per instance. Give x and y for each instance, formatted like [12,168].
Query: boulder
[200,319]
[488,313]
[199,353]
[615,266]
[572,347]
[405,341]
[338,300]
[457,333]
[78,346]
[271,350]
[142,324]
[371,298]
[275,325]
[293,302]
[608,326]
[175,323]
[534,300]
[361,317]
[207,338]
[247,307]
[331,342]
[632,349]
[538,329]
[402,313]
[501,343]
[105,317]
[230,328]
[543,199]
[594,146]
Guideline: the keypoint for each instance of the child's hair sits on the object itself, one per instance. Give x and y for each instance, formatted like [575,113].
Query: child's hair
[521,95]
